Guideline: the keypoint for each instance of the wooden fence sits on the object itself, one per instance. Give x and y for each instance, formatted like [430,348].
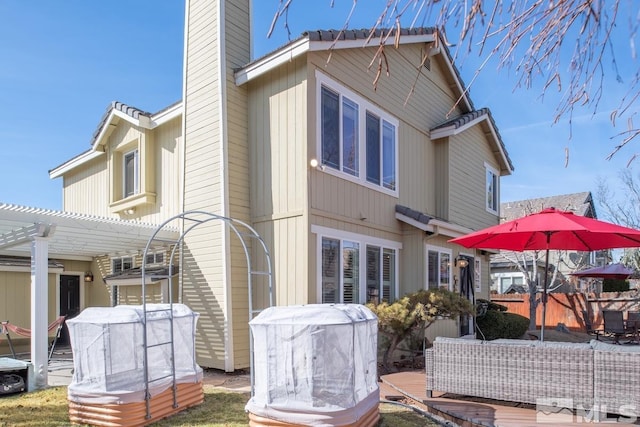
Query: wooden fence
[568,308]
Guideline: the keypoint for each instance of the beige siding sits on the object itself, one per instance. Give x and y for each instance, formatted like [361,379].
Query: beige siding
[467,198]
[91,188]
[15,304]
[216,178]
[279,164]
[443,328]
[86,189]
[412,261]
[422,99]
[203,261]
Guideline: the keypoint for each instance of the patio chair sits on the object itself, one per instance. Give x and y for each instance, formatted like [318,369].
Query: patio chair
[614,324]
[588,324]
[632,325]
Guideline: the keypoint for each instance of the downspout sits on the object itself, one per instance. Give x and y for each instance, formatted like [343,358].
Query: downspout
[229,364]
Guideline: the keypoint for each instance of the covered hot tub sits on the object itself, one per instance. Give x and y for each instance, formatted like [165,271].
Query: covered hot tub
[315,365]
[109,384]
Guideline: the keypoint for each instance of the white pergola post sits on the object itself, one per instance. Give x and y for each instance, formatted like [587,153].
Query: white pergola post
[39,310]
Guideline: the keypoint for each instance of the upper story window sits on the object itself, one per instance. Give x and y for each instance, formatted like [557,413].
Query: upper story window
[121,264]
[155,258]
[130,169]
[492,193]
[438,268]
[355,135]
[355,268]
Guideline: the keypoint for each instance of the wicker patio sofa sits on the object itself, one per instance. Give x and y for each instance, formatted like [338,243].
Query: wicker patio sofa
[581,374]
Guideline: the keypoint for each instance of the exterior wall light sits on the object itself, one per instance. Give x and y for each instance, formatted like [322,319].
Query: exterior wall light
[461,262]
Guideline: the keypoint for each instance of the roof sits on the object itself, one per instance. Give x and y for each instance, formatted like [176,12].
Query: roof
[73,235]
[461,123]
[429,223]
[117,111]
[8,261]
[134,275]
[413,214]
[320,40]
[578,203]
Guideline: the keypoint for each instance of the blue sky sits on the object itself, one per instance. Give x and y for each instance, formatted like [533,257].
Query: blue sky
[64,62]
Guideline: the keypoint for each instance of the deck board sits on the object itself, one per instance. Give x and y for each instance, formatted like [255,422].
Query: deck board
[475,412]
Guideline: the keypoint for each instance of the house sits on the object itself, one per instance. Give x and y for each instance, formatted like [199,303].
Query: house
[355,188]
[504,273]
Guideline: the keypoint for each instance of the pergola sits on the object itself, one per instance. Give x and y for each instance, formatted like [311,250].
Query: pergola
[42,234]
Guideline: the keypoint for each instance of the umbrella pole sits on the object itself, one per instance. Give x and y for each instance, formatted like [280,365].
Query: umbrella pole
[544,291]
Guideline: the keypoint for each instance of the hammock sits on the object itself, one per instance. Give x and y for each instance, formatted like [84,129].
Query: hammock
[56,326]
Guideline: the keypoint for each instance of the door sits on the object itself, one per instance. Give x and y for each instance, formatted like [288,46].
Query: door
[69,302]
[467,291]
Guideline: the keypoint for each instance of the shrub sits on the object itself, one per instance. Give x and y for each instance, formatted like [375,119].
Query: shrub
[615,285]
[501,324]
[414,313]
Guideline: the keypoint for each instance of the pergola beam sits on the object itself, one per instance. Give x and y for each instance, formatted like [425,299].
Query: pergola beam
[25,234]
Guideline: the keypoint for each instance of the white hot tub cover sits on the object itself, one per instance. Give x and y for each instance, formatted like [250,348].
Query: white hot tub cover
[315,364]
[108,352]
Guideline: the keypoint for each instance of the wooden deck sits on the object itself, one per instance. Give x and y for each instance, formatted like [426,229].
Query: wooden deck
[474,412]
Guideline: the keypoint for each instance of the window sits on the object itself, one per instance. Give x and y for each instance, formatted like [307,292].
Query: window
[476,271]
[351,275]
[130,173]
[121,264]
[154,258]
[438,268]
[492,193]
[344,147]
[507,281]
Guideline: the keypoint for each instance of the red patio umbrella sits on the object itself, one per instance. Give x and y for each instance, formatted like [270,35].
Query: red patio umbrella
[611,271]
[551,229]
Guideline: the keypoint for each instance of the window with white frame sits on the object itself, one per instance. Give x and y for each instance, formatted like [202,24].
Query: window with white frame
[356,269]
[476,272]
[507,281]
[130,169]
[354,132]
[438,268]
[121,264]
[154,258]
[492,190]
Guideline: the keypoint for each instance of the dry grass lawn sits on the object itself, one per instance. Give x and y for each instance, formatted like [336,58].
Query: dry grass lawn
[48,408]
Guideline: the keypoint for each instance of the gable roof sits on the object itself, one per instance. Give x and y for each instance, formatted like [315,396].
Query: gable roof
[115,111]
[463,122]
[319,40]
[578,203]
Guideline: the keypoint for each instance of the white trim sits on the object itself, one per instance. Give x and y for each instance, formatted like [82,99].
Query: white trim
[363,241]
[166,115]
[302,46]
[440,250]
[272,61]
[136,172]
[79,160]
[95,151]
[452,130]
[27,269]
[229,363]
[364,106]
[435,226]
[354,237]
[477,271]
[494,171]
